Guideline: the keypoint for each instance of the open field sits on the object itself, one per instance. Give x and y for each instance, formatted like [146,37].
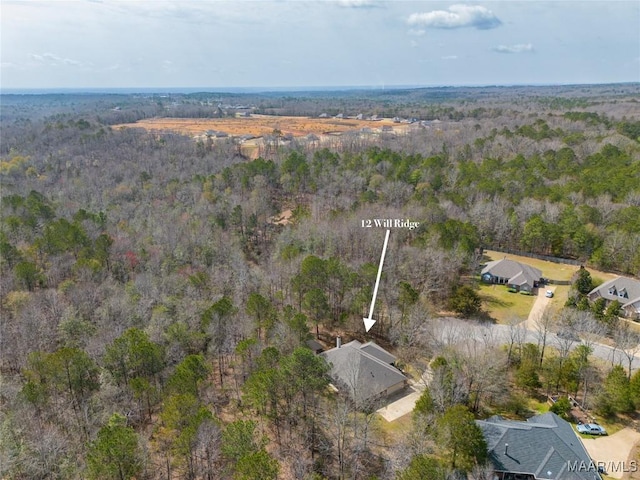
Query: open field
[555,271]
[257,125]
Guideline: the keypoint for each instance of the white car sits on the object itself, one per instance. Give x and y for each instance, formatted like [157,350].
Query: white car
[591,429]
[549,294]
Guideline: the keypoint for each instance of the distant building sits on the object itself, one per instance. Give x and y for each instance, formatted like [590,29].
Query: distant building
[365,372]
[545,447]
[216,134]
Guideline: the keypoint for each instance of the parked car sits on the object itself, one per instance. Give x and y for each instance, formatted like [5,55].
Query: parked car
[591,429]
[549,294]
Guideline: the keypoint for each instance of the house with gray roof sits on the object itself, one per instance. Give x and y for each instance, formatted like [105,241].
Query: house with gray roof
[623,289]
[364,371]
[545,447]
[516,275]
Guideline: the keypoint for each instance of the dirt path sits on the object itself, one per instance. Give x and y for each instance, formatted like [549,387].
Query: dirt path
[613,451]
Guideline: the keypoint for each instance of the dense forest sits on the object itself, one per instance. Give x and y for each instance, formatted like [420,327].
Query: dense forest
[156,308]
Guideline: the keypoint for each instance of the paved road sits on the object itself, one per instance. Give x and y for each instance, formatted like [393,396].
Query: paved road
[451,331]
[602,351]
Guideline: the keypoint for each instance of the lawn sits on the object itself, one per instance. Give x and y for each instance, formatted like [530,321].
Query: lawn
[393,432]
[503,305]
[555,271]
[538,406]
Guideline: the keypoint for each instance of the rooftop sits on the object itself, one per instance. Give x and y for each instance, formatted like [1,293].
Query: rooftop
[365,370]
[544,446]
[517,273]
[624,289]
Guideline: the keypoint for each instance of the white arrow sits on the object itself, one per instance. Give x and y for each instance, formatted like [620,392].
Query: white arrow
[368,322]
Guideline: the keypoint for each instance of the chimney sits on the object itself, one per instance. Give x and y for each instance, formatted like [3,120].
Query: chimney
[506,449]
[338,342]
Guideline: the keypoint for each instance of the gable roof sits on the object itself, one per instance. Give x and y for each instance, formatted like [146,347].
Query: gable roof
[378,352]
[545,446]
[623,289]
[361,369]
[517,273]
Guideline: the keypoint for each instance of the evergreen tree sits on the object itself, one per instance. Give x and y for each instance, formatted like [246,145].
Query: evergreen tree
[115,453]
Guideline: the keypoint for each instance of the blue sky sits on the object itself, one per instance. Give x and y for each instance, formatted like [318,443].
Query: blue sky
[276,43]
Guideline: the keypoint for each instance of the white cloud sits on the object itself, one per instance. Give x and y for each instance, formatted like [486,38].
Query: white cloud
[518,48]
[449,57]
[54,60]
[358,3]
[418,32]
[457,16]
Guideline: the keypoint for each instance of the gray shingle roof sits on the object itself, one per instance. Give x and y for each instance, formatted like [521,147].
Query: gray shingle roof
[544,446]
[363,375]
[378,352]
[517,273]
[625,290]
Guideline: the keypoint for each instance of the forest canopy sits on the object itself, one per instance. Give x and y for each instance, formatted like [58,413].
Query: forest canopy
[158,291]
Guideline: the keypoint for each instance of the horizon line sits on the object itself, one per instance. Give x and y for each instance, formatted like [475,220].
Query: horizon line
[281,89]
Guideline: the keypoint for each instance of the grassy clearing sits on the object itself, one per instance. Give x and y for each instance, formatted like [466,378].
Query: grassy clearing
[555,271]
[502,305]
[612,425]
[537,406]
[393,432]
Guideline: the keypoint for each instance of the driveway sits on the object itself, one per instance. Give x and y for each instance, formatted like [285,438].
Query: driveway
[402,403]
[612,451]
[538,308]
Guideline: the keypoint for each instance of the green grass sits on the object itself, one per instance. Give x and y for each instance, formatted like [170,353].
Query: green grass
[537,406]
[503,305]
[556,271]
[394,431]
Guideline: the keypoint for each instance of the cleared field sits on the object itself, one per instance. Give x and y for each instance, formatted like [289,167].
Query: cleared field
[256,125]
[555,271]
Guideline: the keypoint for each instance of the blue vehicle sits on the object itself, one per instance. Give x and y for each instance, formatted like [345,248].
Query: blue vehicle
[591,429]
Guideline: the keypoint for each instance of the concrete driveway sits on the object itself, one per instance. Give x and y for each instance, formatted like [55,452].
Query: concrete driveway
[539,306]
[613,451]
[401,406]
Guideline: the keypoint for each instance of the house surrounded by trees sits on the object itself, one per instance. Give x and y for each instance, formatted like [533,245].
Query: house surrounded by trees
[365,371]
